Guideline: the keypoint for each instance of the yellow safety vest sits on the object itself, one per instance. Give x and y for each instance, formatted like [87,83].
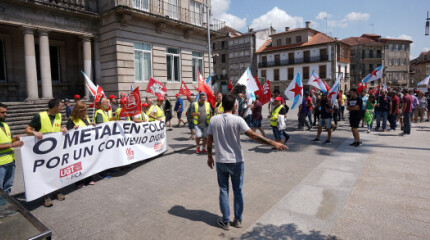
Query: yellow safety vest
[143,116]
[45,122]
[158,114]
[208,112]
[104,115]
[118,112]
[274,118]
[218,106]
[81,123]
[6,155]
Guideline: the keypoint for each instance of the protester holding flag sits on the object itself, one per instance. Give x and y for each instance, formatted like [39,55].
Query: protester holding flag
[48,122]
[202,114]
[79,118]
[326,107]
[155,112]
[354,106]
[7,156]
[190,118]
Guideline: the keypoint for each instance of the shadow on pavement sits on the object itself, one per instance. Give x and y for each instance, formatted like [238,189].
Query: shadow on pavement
[286,231]
[194,215]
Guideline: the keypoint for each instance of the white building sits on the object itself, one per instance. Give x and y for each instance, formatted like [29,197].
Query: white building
[303,50]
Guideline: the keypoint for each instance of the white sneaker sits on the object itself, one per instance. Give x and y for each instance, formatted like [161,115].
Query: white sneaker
[368,131]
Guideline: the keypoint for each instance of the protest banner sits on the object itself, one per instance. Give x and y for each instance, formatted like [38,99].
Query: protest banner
[59,160]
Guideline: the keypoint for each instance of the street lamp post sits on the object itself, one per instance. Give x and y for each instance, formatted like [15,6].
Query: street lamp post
[209,37]
[427,24]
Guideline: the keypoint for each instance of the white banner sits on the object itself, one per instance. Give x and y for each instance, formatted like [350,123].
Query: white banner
[59,159]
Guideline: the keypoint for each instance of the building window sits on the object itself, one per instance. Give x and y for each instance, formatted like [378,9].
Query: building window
[54,59]
[230,43]
[235,42]
[398,47]
[223,58]
[305,72]
[247,53]
[196,13]
[142,61]
[2,62]
[392,61]
[172,9]
[290,73]
[288,40]
[370,53]
[403,47]
[363,54]
[279,42]
[390,77]
[141,4]
[241,41]
[276,88]
[323,71]
[396,77]
[241,53]
[398,61]
[391,47]
[247,40]
[298,39]
[276,74]
[230,55]
[403,76]
[264,60]
[378,54]
[263,74]
[173,60]
[197,65]
[404,61]
[370,67]
[223,44]
[241,66]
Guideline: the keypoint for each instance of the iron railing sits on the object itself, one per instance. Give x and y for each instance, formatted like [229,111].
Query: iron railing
[195,16]
[80,5]
[292,61]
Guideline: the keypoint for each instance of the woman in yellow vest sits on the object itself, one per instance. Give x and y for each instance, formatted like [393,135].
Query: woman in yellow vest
[142,117]
[155,112]
[7,157]
[218,105]
[79,118]
[48,122]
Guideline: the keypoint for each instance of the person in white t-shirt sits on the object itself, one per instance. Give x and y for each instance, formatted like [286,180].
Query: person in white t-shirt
[224,130]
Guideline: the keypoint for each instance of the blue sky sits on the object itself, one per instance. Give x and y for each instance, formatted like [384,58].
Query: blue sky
[394,18]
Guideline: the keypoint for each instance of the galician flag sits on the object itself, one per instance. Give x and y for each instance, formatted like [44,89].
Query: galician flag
[294,91]
[90,85]
[425,81]
[316,81]
[374,75]
[248,80]
[332,94]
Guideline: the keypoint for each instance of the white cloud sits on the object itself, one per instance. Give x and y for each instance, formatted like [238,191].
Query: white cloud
[405,37]
[219,10]
[322,16]
[356,16]
[426,49]
[278,19]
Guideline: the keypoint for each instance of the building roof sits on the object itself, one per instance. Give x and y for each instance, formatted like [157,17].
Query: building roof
[395,39]
[231,31]
[295,30]
[353,41]
[317,39]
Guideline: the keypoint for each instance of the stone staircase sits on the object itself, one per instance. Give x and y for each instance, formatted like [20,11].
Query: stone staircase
[19,114]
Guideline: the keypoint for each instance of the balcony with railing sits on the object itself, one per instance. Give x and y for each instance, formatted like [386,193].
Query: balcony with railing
[292,61]
[76,5]
[193,14]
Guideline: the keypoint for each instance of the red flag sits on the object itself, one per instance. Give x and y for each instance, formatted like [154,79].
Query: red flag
[230,85]
[97,96]
[266,93]
[184,90]
[313,90]
[156,88]
[132,105]
[260,91]
[203,87]
[361,87]
[326,86]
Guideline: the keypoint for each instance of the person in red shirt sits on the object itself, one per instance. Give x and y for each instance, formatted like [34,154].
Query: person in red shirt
[406,111]
[309,106]
[394,111]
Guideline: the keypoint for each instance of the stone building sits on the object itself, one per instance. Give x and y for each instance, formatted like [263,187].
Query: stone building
[241,49]
[420,68]
[45,44]
[370,51]
[303,50]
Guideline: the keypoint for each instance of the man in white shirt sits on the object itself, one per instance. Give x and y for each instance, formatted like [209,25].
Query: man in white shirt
[224,130]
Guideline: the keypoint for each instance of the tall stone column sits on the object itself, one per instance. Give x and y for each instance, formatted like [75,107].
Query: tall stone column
[45,64]
[86,43]
[30,65]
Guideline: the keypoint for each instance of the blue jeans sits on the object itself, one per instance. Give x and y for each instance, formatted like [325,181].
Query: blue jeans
[248,120]
[310,117]
[277,134]
[7,172]
[407,123]
[235,171]
[384,116]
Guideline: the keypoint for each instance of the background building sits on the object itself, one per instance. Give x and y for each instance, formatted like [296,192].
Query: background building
[44,45]
[303,50]
[370,51]
[420,68]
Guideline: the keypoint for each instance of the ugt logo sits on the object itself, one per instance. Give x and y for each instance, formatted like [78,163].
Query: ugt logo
[157,88]
[130,154]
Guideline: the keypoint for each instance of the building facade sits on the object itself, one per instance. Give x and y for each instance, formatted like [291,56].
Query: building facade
[420,68]
[44,45]
[303,50]
[370,51]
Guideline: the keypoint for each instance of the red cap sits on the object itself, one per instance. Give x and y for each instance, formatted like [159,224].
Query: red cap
[145,104]
[278,99]
[160,99]
[122,101]
[112,97]
[77,97]
[177,94]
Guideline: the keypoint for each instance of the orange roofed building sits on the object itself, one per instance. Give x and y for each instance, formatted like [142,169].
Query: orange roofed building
[303,50]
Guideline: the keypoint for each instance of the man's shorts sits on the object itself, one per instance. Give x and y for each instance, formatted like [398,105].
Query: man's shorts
[179,114]
[256,123]
[325,122]
[354,122]
[191,124]
[201,132]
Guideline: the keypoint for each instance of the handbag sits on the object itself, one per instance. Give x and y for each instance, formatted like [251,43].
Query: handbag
[282,122]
